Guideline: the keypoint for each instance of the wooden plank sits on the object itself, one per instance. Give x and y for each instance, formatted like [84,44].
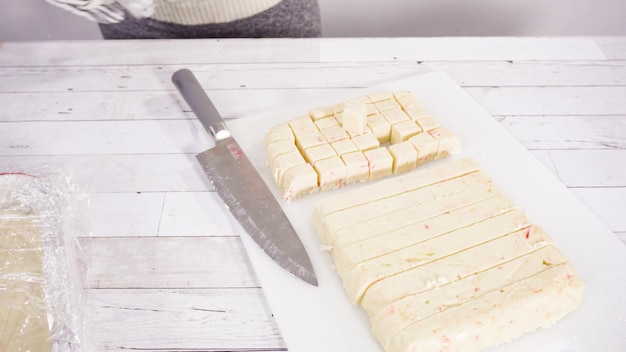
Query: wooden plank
[120,173]
[590,168]
[608,204]
[123,214]
[182,320]
[568,132]
[613,47]
[551,100]
[195,214]
[167,262]
[459,48]
[299,50]
[309,75]
[103,137]
[175,52]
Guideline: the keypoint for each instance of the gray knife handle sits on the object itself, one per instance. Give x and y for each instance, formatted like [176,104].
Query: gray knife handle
[199,101]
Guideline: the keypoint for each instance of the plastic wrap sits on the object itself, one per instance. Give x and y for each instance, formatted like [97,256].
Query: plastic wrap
[41,292]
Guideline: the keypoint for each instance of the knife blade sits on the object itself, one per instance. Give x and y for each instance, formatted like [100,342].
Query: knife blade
[241,188]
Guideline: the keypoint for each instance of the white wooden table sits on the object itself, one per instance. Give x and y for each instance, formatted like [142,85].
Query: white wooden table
[166,270]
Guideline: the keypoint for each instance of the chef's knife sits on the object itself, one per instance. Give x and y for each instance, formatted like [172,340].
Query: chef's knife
[241,188]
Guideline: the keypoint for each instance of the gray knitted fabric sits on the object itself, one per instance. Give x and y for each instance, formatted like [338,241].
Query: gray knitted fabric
[288,19]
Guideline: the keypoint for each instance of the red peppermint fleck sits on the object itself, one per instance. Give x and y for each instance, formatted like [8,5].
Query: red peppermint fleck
[528,233]
[426,227]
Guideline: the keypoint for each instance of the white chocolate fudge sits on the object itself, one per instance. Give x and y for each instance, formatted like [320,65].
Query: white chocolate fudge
[448,142]
[302,125]
[279,147]
[298,181]
[386,188]
[380,96]
[394,115]
[380,162]
[366,142]
[404,157]
[410,309]
[354,117]
[357,167]
[404,130]
[331,173]
[430,222]
[326,122]
[280,132]
[320,152]
[450,265]
[283,162]
[319,113]
[416,112]
[380,127]
[497,317]
[344,146]
[388,104]
[426,145]
[335,133]
[379,123]
[310,139]
[427,123]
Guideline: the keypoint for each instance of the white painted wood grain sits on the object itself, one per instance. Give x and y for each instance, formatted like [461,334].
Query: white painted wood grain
[465,48]
[167,262]
[124,214]
[299,50]
[183,320]
[121,173]
[195,214]
[551,100]
[568,132]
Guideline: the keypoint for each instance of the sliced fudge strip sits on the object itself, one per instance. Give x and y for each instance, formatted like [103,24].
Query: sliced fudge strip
[357,280]
[393,186]
[498,316]
[411,309]
[404,209]
[349,255]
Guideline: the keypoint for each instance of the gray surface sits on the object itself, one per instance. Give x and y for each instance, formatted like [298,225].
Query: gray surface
[38,20]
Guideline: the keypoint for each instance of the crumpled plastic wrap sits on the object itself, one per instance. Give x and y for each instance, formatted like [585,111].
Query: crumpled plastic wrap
[42,306]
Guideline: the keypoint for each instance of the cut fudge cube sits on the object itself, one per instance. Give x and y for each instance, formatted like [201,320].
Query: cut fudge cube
[408,101]
[335,133]
[401,93]
[331,173]
[380,127]
[448,142]
[319,152]
[298,181]
[284,162]
[309,140]
[404,157]
[427,147]
[302,125]
[366,142]
[319,113]
[427,123]
[404,130]
[344,146]
[280,147]
[388,104]
[357,167]
[379,96]
[395,115]
[326,122]
[416,112]
[354,118]
[280,132]
[380,162]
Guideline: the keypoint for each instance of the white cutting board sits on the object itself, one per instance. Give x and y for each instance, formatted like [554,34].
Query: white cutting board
[322,319]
